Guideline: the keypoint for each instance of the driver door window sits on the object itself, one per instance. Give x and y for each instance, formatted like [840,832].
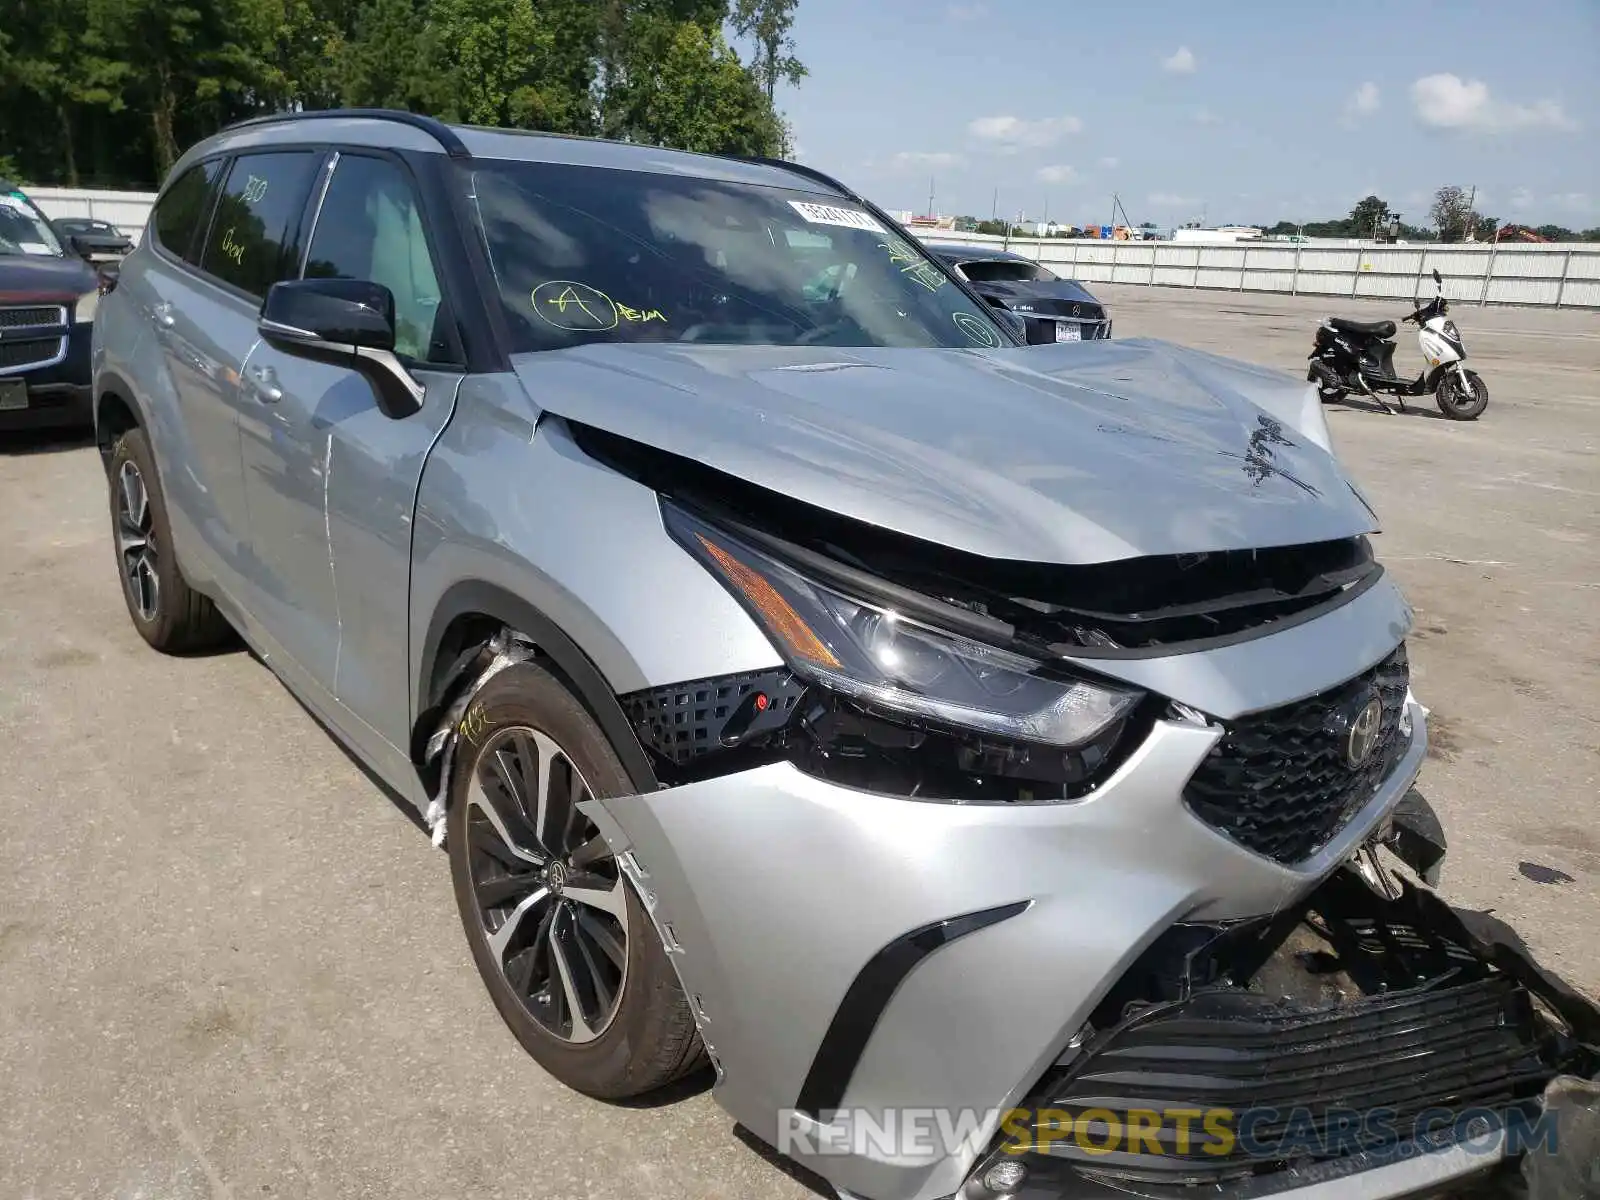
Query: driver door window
[370,228]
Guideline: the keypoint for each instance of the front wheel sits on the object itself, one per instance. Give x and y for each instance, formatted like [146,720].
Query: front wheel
[1462,402]
[565,947]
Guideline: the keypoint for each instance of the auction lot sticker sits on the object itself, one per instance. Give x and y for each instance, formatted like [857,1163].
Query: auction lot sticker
[828,214]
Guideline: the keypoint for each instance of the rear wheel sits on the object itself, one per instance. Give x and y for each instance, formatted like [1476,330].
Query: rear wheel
[1462,402]
[167,612]
[563,944]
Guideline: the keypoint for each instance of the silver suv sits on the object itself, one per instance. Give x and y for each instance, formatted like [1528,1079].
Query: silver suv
[973,756]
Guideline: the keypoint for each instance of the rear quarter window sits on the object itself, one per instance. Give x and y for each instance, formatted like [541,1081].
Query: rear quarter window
[255,235]
[180,214]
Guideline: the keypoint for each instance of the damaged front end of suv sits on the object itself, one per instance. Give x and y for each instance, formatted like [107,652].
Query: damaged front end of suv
[1068,821]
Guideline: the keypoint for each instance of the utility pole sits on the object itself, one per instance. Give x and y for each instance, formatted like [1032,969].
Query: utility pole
[1471,233]
[994,206]
[930,195]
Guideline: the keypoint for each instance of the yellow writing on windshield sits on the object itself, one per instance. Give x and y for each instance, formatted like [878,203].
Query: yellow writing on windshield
[912,265]
[581,308]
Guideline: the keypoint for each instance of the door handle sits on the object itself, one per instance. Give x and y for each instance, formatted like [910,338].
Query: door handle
[264,383]
[163,314]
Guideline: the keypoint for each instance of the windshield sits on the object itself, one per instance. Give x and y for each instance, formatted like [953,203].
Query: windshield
[585,254]
[1000,270]
[23,229]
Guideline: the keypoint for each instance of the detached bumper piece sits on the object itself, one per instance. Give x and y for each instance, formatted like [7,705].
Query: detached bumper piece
[1363,1035]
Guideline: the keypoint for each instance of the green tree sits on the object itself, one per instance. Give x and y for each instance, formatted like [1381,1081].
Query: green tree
[680,85]
[769,24]
[1369,218]
[44,69]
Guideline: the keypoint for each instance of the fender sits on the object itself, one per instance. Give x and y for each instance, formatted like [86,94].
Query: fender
[107,381]
[476,597]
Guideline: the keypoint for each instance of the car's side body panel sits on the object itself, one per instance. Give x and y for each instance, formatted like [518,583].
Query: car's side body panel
[500,496]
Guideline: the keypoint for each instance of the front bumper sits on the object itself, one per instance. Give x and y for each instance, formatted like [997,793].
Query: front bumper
[58,393]
[780,896]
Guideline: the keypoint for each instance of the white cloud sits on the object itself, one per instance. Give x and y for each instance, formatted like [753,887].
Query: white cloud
[1364,101]
[1450,102]
[1016,132]
[1180,62]
[1579,202]
[1057,173]
[1204,116]
[1521,199]
[966,12]
[1110,162]
[924,158]
[1168,200]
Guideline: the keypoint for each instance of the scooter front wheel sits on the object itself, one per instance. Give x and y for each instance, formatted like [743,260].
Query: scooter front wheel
[1462,402]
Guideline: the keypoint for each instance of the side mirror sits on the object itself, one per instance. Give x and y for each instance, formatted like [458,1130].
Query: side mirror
[343,321]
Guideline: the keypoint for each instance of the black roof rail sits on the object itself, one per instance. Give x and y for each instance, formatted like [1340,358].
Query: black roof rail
[438,130]
[800,169]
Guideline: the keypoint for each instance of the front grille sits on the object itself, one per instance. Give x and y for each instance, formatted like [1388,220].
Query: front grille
[1280,782]
[45,316]
[1291,1076]
[1047,307]
[29,352]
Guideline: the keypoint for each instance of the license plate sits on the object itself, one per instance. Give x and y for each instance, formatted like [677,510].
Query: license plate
[13,395]
[1068,333]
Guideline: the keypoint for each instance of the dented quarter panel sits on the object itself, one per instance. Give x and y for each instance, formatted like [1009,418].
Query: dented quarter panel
[1065,454]
[503,492]
[754,872]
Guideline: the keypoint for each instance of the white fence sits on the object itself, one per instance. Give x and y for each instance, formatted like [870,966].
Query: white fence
[128,211]
[1560,275]
[1555,275]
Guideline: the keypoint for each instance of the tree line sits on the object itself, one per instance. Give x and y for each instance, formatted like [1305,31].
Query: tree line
[110,92]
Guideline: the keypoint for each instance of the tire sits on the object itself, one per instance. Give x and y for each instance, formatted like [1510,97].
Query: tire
[1454,401]
[606,1019]
[167,612]
[1328,390]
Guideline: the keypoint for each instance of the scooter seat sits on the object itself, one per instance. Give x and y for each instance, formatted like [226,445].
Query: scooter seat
[1379,329]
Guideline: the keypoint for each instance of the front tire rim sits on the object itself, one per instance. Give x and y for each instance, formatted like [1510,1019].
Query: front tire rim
[549,898]
[136,543]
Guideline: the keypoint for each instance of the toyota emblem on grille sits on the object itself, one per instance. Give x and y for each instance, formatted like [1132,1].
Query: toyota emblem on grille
[1364,733]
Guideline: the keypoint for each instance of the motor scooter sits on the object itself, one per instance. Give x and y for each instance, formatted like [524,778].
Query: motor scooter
[1358,357]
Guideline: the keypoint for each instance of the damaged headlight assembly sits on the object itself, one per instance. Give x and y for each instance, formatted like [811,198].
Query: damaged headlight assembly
[864,649]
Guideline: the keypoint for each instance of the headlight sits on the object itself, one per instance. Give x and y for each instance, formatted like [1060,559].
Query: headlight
[873,654]
[83,311]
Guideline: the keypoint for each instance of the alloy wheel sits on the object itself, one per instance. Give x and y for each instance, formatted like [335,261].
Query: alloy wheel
[136,542]
[549,896]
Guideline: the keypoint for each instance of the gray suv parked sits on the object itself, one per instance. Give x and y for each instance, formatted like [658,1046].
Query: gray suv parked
[978,756]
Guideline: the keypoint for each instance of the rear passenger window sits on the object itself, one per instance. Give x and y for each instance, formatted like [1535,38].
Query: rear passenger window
[180,214]
[254,238]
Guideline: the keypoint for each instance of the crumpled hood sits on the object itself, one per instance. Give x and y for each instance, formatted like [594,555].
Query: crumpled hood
[1063,454]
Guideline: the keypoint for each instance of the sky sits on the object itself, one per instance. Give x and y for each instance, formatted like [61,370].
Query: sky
[1236,111]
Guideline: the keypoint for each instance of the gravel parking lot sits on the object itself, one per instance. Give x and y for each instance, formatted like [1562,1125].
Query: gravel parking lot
[230,967]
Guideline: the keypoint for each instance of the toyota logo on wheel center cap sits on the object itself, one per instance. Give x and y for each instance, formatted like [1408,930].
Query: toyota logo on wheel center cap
[555,876]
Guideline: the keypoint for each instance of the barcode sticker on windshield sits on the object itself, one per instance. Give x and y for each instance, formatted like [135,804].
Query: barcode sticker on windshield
[828,214]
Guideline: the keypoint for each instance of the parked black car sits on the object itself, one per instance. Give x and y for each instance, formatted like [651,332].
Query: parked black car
[48,296]
[92,238]
[1052,309]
